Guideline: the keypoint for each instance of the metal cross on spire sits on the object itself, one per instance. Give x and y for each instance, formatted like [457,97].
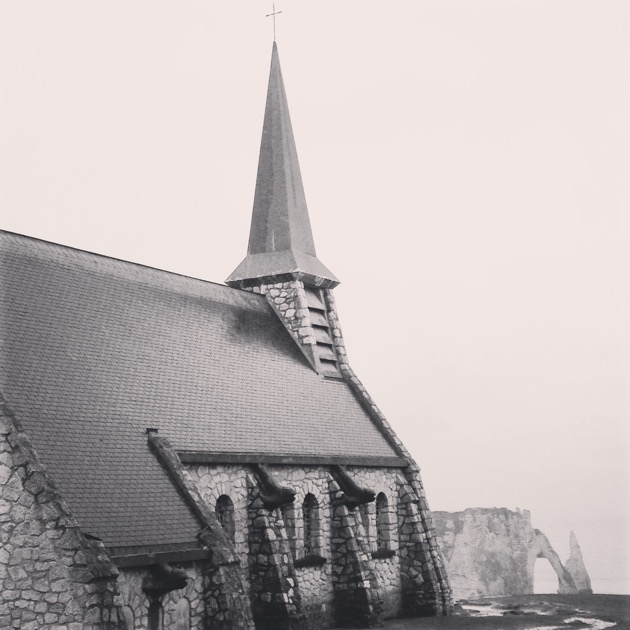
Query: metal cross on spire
[273,14]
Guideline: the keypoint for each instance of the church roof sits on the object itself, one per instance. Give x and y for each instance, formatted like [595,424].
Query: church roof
[280,238]
[93,351]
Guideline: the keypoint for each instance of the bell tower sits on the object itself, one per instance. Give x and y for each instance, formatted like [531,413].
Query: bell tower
[281,261]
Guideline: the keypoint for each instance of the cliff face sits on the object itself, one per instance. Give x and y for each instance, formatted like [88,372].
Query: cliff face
[492,552]
[485,550]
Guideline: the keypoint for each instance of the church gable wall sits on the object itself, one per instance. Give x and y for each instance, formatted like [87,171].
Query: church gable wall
[51,576]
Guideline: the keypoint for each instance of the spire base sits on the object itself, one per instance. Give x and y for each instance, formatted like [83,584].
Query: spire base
[270,267]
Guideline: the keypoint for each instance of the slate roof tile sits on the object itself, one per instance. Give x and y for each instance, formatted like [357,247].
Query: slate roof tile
[95,350]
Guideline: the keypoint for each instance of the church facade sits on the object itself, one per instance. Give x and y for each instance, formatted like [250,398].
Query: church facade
[181,454]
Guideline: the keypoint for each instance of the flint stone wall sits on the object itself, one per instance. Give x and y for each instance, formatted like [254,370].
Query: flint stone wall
[315,583]
[51,575]
[289,300]
[216,480]
[387,570]
[135,601]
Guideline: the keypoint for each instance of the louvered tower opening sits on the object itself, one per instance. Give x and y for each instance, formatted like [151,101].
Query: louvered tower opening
[324,351]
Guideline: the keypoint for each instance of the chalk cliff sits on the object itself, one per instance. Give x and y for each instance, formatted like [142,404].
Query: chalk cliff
[576,567]
[492,552]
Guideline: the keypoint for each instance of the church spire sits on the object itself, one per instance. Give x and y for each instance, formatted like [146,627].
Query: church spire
[280,240]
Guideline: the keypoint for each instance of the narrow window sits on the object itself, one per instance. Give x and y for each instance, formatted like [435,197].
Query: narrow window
[225,515]
[364,513]
[288,516]
[310,512]
[382,522]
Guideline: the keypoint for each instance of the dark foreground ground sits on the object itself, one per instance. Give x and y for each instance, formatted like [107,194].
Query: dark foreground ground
[548,612]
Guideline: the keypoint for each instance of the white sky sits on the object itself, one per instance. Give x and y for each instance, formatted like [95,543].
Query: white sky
[466,168]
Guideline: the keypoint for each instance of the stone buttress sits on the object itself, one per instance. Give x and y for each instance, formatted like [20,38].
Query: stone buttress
[356,588]
[274,592]
[226,605]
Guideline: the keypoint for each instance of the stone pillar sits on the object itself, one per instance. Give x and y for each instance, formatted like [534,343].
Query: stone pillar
[356,597]
[577,569]
[275,597]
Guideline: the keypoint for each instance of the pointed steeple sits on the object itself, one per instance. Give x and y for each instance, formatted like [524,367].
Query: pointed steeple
[280,240]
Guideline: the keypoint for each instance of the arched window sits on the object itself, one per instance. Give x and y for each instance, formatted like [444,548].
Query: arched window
[225,515]
[382,522]
[310,513]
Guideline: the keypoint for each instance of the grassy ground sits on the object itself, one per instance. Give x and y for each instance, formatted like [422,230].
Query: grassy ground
[570,612]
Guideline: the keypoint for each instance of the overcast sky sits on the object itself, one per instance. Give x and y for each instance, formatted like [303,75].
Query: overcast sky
[466,168]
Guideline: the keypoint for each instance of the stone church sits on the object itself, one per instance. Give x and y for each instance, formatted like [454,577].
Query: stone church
[181,454]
